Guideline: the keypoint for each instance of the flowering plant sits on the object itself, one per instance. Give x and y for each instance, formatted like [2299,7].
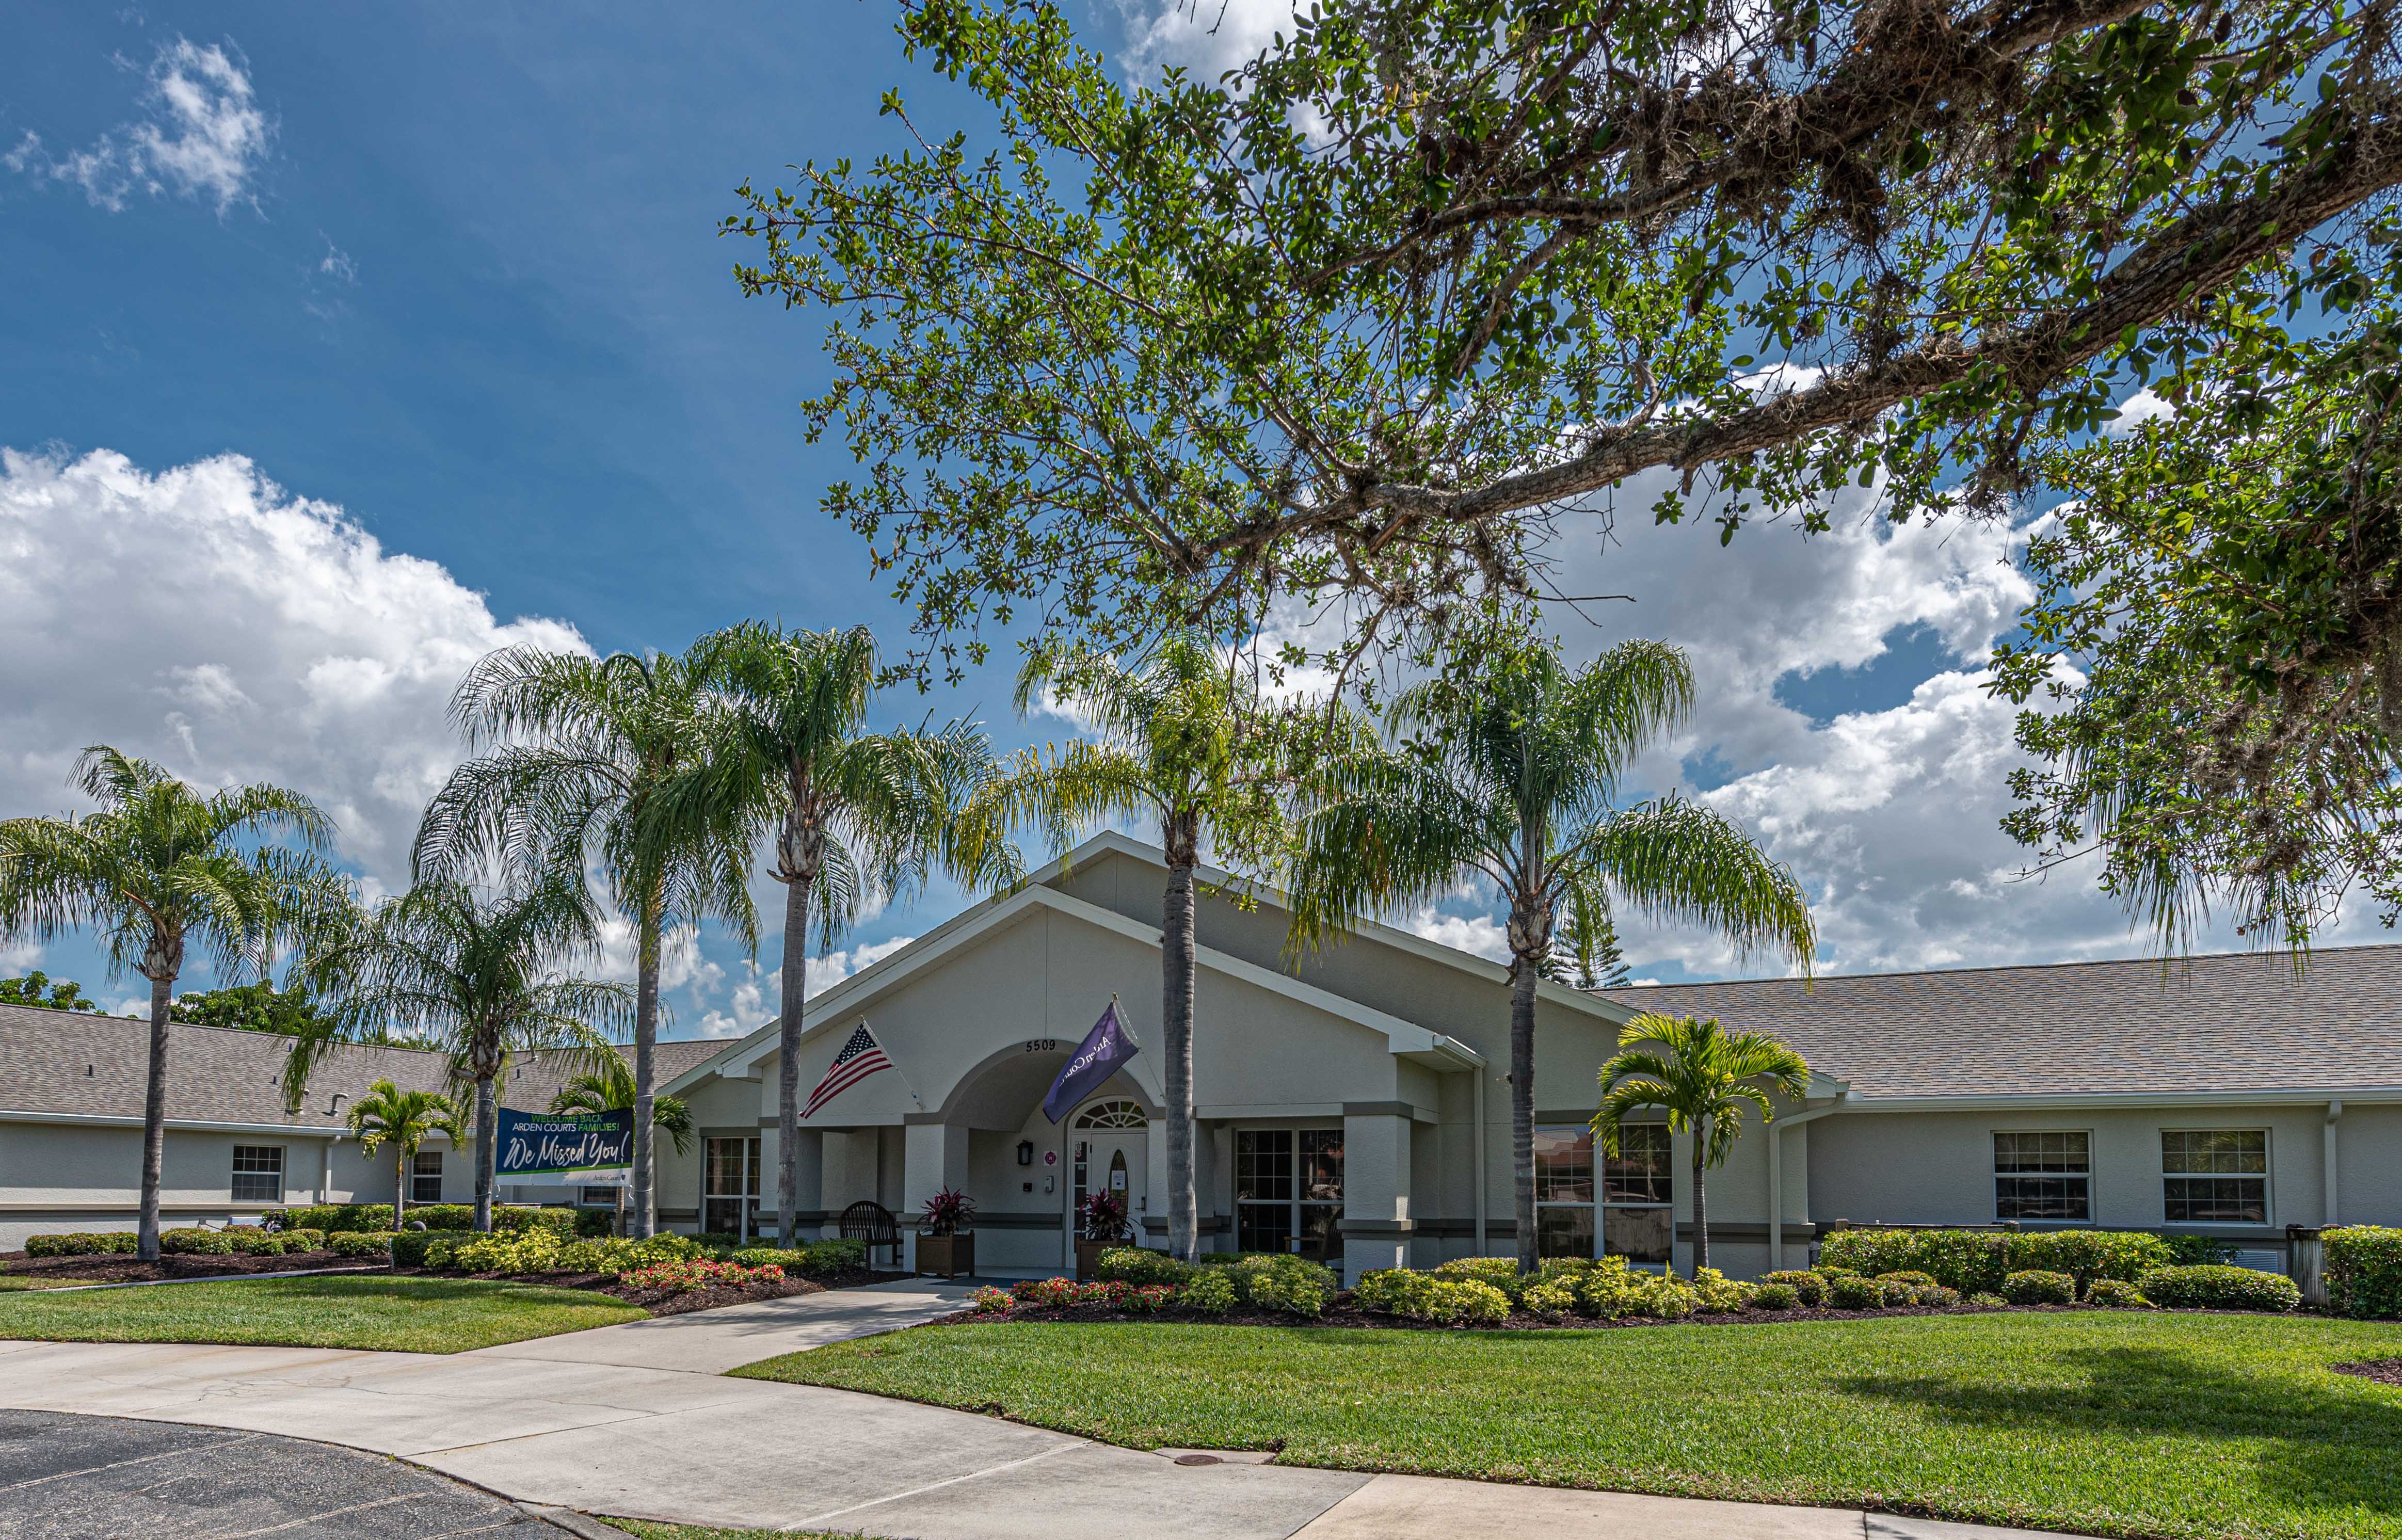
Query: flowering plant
[947,1212]
[682,1277]
[1104,1218]
[989,1300]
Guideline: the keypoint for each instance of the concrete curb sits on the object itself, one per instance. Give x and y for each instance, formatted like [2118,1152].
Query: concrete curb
[581,1525]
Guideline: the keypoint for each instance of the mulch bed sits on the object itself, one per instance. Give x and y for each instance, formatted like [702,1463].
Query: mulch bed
[2386,1371]
[1344,1313]
[132,1270]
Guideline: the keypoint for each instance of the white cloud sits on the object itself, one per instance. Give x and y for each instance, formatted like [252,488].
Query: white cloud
[1205,37]
[205,617]
[337,263]
[1478,933]
[202,135]
[832,967]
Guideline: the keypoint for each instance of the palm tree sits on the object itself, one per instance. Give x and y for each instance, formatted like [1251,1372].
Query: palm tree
[854,814]
[605,733]
[405,1119]
[1701,1076]
[1182,738]
[610,1088]
[479,977]
[1507,767]
[159,868]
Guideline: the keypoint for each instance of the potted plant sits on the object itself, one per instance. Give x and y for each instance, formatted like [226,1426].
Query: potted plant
[1101,1226]
[946,1242]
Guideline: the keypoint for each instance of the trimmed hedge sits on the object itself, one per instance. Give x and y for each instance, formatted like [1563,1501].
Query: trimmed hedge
[1979,1261]
[360,1242]
[195,1242]
[815,1256]
[2213,1288]
[1454,1300]
[335,1218]
[2039,1286]
[2364,1270]
[1809,1289]
[105,1242]
[409,1247]
[1139,1267]
[2116,1294]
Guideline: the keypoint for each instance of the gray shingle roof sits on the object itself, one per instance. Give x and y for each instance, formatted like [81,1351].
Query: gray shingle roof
[2231,1023]
[58,1061]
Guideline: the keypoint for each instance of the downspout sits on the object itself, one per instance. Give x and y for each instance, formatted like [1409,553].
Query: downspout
[1476,1078]
[1776,1175]
[2327,1208]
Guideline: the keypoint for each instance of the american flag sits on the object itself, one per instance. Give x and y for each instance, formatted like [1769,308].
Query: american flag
[858,1059]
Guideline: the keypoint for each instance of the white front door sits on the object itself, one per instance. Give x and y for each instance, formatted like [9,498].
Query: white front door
[1109,1150]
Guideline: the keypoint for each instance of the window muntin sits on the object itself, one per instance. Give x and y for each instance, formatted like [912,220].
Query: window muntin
[2043,1175]
[259,1174]
[2215,1176]
[1633,1217]
[425,1177]
[1116,1113]
[1289,1190]
[729,1185]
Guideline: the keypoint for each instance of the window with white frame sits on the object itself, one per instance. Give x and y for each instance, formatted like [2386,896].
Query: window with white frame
[1288,1192]
[729,1186]
[2046,1175]
[425,1177]
[259,1174]
[2215,1176]
[1628,1211]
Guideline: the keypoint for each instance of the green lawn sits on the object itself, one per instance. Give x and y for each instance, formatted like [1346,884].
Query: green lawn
[399,1314]
[2130,1423]
[645,1530]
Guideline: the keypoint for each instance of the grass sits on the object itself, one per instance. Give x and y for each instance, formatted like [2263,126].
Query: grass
[2109,1422]
[395,1314]
[18,1283]
[644,1530]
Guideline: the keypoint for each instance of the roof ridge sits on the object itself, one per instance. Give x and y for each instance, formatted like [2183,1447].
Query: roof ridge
[1995,968]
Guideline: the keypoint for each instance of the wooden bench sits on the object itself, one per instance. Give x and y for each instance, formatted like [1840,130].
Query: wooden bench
[872,1222]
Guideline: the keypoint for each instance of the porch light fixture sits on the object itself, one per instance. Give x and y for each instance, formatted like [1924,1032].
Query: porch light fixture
[1025,1152]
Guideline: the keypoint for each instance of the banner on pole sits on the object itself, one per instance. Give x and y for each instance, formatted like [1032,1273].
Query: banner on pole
[583,1148]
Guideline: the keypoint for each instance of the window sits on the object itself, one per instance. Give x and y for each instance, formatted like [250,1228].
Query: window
[1633,1204]
[729,1186]
[1112,1114]
[601,1197]
[259,1174]
[2217,1177]
[2043,1176]
[1289,1190]
[426,1177]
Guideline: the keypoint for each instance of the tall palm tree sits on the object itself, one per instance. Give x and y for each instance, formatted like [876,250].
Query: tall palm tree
[854,814]
[480,977]
[1701,1076]
[579,748]
[160,869]
[405,1119]
[1507,765]
[1182,739]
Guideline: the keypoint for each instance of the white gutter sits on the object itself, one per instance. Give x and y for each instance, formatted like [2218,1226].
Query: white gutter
[2265,1096]
[2327,1207]
[1776,1175]
[1476,1079]
[202,1125]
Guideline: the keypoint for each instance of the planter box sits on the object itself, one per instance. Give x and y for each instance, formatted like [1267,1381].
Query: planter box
[946,1256]
[1088,1256]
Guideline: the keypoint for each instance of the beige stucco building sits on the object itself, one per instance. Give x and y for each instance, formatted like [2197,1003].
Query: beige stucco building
[1354,1105]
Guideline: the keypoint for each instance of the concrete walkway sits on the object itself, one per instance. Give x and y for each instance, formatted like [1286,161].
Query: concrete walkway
[595,1422]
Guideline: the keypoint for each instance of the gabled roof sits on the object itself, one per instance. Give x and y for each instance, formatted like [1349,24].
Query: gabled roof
[860,991]
[2231,1025]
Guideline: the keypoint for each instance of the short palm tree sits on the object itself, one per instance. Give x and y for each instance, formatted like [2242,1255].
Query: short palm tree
[1703,1076]
[1182,739]
[1507,767]
[160,869]
[480,977]
[405,1119]
[579,747]
[853,814]
[610,1088]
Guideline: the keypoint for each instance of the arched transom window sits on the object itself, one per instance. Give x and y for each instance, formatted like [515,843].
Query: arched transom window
[1112,1114]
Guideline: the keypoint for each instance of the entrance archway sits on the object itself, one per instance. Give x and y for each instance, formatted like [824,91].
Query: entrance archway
[1108,1146]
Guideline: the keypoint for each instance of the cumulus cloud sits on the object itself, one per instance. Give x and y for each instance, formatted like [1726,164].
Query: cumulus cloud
[200,135]
[1205,36]
[205,617]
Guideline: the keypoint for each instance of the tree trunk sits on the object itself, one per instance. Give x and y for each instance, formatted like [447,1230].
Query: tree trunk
[793,986]
[1525,973]
[488,1148]
[1182,832]
[154,1118]
[646,1036]
[1701,1199]
[399,1185]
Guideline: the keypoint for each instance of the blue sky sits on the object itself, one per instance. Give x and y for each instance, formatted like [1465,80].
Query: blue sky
[346,342]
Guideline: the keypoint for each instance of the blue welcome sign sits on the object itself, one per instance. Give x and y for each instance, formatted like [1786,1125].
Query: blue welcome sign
[590,1148]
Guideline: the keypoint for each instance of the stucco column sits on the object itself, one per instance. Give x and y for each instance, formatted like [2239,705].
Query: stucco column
[1376,1222]
[934,1156]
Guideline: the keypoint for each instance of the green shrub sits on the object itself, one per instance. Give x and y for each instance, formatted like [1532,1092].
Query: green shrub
[814,1257]
[1499,1272]
[106,1243]
[534,1248]
[1139,1266]
[1809,1289]
[1451,1299]
[2198,1250]
[1211,1292]
[2116,1294]
[1895,1292]
[196,1241]
[1549,1297]
[360,1242]
[2086,1255]
[1665,1297]
[1776,1297]
[1849,1291]
[2213,1288]
[1987,1301]
[304,1240]
[1934,1297]
[1273,1281]
[254,1243]
[2364,1270]
[420,1248]
[2039,1286]
[1907,1275]
[335,1219]
[1611,1291]
[462,1216]
[1715,1293]
[1957,1259]
[593,1224]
